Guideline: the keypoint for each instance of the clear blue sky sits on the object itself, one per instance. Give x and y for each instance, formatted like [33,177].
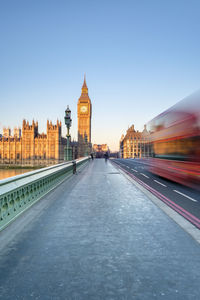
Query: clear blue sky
[140,57]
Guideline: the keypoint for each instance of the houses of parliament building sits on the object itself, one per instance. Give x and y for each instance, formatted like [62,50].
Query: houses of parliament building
[28,147]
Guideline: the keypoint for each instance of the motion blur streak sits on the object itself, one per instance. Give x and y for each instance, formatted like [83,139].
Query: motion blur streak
[174,142]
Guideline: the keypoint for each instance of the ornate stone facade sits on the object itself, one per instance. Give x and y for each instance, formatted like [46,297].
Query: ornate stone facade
[133,144]
[17,132]
[84,112]
[33,148]
[6,132]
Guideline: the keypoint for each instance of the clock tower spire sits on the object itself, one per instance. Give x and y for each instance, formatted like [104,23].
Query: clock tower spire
[84,87]
[84,111]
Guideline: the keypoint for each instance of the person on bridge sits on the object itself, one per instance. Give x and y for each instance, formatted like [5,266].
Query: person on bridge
[74,167]
[106,156]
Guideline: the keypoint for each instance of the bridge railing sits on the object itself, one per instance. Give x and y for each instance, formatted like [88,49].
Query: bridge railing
[20,192]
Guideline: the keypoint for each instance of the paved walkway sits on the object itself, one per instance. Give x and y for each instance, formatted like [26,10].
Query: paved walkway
[98,237]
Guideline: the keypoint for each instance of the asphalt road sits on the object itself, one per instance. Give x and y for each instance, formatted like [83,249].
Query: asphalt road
[185,200]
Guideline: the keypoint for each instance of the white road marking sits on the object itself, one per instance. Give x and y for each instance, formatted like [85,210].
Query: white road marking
[160,183]
[144,175]
[128,167]
[185,195]
[134,170]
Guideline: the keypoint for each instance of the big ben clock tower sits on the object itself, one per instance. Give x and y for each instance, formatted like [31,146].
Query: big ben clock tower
[84,121]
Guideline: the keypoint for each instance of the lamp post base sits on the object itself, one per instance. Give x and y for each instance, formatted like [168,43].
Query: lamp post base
[68,153]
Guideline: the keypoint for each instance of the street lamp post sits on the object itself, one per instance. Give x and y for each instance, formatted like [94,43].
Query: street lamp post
[68,123]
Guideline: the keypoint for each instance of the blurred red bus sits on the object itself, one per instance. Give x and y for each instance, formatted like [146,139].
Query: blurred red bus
[174,142]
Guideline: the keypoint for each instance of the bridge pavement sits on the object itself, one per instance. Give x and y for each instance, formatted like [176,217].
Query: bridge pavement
[97,236]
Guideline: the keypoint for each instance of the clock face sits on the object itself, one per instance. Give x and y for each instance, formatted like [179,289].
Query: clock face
[84,109]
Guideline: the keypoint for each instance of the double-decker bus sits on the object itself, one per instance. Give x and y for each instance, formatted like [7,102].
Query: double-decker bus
[174,144]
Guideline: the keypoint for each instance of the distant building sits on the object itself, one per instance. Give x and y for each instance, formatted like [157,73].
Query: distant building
[133,144]
[74,146]
[17,132]
[6,132]
[100,150]
[33,148]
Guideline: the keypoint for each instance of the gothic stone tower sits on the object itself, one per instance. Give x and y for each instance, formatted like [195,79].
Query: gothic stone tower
[29,132]
[84,112]
[53,142]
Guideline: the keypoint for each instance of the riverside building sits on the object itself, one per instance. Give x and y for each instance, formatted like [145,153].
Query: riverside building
[33,148]
[134,143]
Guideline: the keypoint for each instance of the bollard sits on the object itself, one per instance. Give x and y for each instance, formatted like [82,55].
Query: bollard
[74,166]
